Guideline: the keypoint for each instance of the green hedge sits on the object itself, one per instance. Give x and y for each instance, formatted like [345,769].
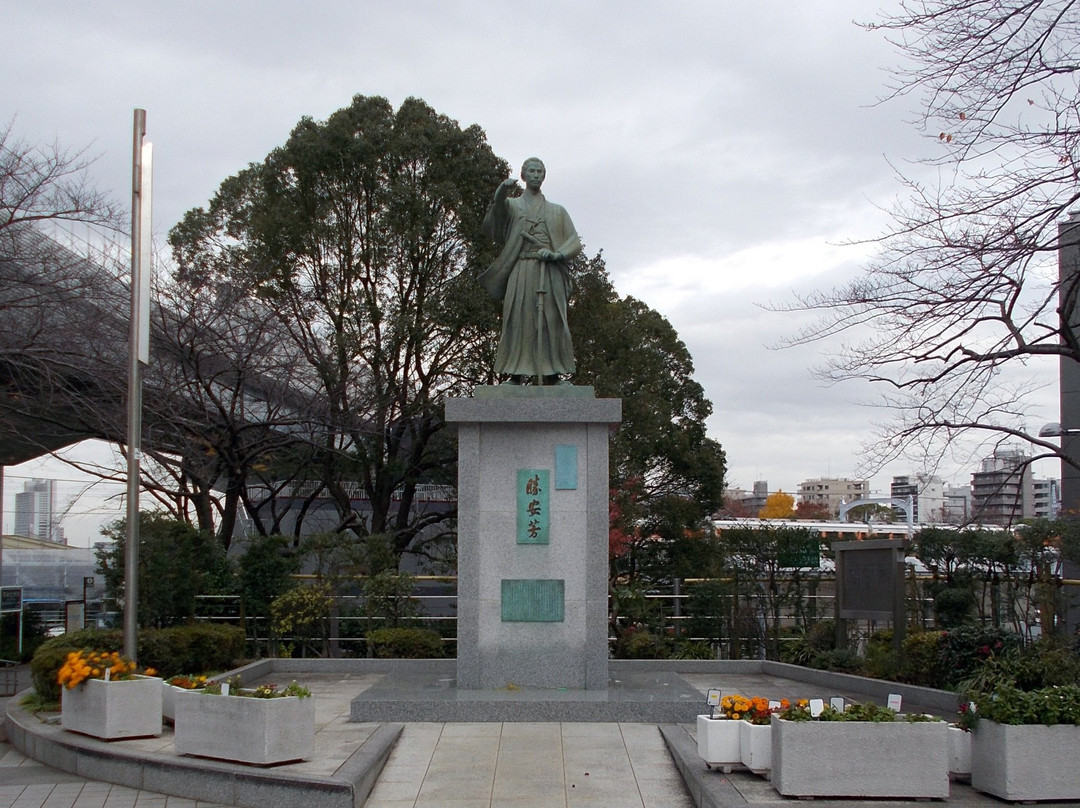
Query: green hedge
[180,649]
[405,643]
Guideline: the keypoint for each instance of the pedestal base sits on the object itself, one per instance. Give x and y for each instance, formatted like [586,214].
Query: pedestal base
[532,537]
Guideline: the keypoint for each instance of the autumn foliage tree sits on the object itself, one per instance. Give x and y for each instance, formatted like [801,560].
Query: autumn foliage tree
[778,505]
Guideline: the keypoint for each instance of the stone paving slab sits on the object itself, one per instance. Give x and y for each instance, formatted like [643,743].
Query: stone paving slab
[447,764]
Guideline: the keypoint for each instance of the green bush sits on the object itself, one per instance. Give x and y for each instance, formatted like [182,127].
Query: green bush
[178,649]
[50,655]
[920,659]
[966,648]
[194,648]
[637,643]
[881,661]
[405,643]
[1038,666]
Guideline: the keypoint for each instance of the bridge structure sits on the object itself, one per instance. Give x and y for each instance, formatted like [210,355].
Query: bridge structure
[906,504]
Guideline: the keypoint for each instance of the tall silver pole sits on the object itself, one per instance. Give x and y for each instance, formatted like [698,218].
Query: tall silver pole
[134,414]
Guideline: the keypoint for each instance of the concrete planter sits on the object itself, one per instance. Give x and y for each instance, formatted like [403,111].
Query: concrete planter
[1026,762]
[860,759]
[959,754]
[755,746]
[125,708]
[244,729]
[169,695]
[718,741]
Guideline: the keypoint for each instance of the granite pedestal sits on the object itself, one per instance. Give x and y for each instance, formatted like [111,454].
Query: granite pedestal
[532,536]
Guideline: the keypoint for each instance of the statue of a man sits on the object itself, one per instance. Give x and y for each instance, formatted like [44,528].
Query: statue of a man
[530,277]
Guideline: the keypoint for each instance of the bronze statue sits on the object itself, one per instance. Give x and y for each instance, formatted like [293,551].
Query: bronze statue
[530,277]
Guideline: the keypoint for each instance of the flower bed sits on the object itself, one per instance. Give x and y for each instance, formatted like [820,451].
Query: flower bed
[122,708]
[103,696]
[1026,762]
[263,726]
[177,687]
[867,753]
[1025,743]
[718,741]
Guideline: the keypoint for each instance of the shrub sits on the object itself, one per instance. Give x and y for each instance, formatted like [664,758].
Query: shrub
[51,654]
[405,643]
[637,643]
[881,658]
[194,648]
[179,649]
[920,659]
[965,649]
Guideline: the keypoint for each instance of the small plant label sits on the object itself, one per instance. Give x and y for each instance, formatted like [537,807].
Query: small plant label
[713,700]
[774,704]
[895,701]
[224,688]
[107,676]
[816,707]
[837,703]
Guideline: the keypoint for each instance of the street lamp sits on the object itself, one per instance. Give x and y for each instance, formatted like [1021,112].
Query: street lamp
[1056,430]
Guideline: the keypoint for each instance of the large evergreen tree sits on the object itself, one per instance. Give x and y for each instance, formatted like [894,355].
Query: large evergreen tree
[362,236]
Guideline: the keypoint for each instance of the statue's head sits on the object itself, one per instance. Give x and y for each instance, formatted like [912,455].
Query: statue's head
[533,169]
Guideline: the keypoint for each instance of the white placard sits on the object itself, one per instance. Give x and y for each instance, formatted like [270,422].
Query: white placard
[714,697]
[895,701]
[837,703]
[816,707]
[224,688]
[774,704]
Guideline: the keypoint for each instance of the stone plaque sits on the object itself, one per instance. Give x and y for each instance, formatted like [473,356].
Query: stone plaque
[532,601]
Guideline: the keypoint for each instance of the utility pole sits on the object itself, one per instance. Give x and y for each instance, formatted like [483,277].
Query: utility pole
[139,356]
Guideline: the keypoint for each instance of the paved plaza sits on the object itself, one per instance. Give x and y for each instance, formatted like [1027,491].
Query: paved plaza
[470,764]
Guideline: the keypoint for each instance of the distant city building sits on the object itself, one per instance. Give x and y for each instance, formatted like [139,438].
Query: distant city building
[833,492]
[957,504]
[927,494]
[1004,491]
[749,502]
[35,511]
[1047,498]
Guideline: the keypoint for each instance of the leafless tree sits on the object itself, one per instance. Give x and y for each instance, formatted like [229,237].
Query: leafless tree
[964,293]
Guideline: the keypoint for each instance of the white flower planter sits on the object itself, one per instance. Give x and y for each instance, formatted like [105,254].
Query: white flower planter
[169,695]
[718,741]
[860,759]
[1026,762]
[959,753]
[244,729]
[125,708]
[755,746]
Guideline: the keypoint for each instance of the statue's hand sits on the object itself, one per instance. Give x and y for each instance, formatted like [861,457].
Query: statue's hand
[509,184]
[547,255]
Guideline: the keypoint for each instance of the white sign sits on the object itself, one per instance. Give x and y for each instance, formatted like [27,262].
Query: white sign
[837,703]
[895,701]
[816,707]
[714,697]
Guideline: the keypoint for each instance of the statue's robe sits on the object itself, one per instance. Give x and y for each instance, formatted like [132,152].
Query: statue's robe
[535,337]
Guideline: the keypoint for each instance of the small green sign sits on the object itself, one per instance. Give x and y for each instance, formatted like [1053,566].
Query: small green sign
[533,500]
[800,553]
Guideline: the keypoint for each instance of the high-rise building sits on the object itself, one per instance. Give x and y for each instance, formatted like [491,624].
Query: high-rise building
[1002,490]
[927,494]
[1046,498]
[833,492]
[35,511]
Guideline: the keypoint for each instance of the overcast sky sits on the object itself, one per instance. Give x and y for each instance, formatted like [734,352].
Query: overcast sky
[719,153]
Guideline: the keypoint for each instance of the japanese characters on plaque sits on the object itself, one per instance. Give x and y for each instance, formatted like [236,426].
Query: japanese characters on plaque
[533,506]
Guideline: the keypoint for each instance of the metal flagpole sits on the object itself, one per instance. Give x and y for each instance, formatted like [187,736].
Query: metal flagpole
[139,355]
